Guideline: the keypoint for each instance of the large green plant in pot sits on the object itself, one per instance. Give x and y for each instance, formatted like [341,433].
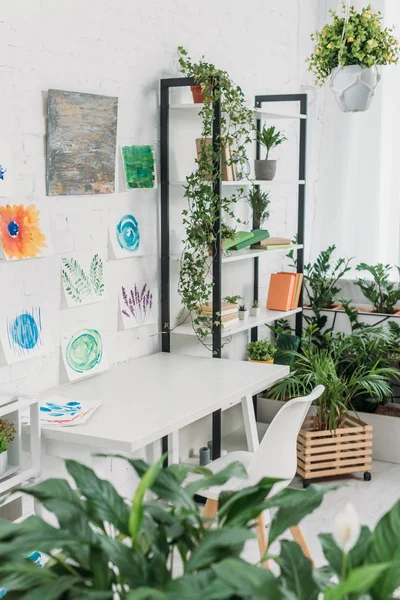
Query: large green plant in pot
[204,206]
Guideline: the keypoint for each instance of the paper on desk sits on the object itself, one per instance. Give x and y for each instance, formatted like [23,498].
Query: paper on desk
[59,410]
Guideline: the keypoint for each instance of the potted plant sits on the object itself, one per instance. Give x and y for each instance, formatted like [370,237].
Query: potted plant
[270,138]
[243,312]
[7,435]
[261,351]
[380,291]
[234,299]
[349,50]
[255,308]
[259,202]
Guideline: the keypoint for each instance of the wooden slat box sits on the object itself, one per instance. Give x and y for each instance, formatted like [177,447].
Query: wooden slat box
[331,453]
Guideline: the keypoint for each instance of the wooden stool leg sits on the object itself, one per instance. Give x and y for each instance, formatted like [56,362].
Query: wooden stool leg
[210,510]
[262,538]
[299,538]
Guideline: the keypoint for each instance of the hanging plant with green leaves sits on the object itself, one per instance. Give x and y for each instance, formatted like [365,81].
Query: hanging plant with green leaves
[204,205]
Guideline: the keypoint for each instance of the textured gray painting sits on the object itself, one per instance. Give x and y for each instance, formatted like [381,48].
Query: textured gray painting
[81,143]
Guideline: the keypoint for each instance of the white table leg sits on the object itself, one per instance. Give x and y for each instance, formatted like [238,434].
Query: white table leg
[153,452]
[173,448]
[250,424]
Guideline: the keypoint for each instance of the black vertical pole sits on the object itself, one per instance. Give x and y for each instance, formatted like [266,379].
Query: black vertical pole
[301,207]
[217,254]
[165,249]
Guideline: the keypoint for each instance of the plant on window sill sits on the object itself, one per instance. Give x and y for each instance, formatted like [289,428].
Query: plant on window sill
[381,292]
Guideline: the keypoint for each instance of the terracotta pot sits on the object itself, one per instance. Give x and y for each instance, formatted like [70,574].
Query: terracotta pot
[198,94]
[265,362]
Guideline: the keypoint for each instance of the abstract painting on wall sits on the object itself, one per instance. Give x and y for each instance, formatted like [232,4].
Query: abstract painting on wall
[139,166]
[137,306]
[83,279]
[125,236]
[83,354]
[24,232]
[24,333]
[6,183]
[81,143]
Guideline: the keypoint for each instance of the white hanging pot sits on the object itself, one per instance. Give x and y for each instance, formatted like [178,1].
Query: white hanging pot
[353,87]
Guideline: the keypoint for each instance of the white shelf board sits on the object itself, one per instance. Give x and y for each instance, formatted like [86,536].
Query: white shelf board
[259,112]
[246,253]
[266,316]
[246,182]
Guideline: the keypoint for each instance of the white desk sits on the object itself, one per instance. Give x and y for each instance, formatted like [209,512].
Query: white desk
[154,396]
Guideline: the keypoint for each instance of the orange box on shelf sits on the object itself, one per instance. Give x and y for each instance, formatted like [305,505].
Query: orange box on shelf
[282,289]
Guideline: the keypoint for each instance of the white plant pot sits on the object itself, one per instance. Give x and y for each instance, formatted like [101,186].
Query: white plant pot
[353,87]
[243,314]
[3,463]
[255,312]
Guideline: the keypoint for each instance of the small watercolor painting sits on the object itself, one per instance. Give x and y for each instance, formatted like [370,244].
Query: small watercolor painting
[137,306]
[24,232]
[6,182]
[83,280]
[81,143]
[125,237]
[24,333]
[139,166]
[58,410]
[83,354]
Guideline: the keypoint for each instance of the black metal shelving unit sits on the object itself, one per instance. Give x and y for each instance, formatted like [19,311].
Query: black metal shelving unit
[165,86]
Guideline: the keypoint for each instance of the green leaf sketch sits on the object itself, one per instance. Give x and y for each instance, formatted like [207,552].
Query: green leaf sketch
[80,285]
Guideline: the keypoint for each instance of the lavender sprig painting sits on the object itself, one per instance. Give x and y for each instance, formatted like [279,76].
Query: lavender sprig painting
[137,306]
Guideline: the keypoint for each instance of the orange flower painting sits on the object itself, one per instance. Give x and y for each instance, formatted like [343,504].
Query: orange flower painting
[20,233]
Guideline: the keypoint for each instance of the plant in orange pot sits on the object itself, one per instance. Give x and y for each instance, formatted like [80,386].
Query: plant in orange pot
[262,351]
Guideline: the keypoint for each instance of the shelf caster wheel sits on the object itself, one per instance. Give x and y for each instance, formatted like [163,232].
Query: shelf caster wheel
[367,476]
[307,482]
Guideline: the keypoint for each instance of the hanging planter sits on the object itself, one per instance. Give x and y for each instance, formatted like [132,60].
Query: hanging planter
[349,51]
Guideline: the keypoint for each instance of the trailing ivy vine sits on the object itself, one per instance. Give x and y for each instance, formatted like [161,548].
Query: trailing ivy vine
[199,218]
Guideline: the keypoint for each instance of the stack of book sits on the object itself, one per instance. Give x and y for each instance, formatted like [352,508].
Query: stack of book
[274,243]
[229,313]
[228,170]
[284,291]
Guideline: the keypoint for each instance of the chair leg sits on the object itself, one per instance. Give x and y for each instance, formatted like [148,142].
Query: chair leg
[262,538]
[210,510]
[299,538]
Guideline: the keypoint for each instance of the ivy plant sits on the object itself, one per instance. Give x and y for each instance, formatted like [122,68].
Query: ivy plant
[380,291]
[362,40]
[204,205]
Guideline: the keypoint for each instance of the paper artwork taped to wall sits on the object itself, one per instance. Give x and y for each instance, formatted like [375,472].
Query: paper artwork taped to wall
[139,166]
[81,143]
[83,279]
[24,333]
[6,183]
[137,306]
[83,354]
[24,232]
[125,237]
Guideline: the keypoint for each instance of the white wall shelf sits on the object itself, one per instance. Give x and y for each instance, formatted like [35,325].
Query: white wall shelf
[259,113]
[266,316]
[246,182]
[246,253]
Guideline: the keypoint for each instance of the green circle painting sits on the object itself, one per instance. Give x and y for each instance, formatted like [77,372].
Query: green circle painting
[84,350]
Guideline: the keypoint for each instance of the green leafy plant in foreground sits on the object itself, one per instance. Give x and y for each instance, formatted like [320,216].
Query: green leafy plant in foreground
[362,40]
[380,291]
[107,548]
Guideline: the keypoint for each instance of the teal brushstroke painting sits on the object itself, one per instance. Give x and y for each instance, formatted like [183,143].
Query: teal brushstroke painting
[139,166]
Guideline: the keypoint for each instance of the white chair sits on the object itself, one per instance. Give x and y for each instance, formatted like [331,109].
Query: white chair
[276,456]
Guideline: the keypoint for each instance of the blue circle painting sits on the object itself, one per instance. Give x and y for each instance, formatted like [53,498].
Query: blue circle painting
[128,235]
[25,331]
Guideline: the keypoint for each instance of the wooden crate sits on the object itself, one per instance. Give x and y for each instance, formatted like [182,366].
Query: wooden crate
[331,453]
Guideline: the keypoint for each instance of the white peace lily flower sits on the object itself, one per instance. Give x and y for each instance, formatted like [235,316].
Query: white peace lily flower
[346,528]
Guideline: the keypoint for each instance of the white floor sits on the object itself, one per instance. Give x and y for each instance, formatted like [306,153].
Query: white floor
[372,499]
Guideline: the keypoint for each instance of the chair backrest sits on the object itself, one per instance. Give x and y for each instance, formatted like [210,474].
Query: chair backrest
[276,455]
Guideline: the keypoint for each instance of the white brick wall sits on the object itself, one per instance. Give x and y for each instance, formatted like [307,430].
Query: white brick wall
[120,48]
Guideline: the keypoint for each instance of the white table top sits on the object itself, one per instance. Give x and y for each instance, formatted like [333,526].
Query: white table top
[153,396]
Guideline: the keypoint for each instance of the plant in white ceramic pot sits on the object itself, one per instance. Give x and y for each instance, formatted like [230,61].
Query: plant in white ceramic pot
[243,312]
[255,308]
[350,49]
[270,138]
[7,435]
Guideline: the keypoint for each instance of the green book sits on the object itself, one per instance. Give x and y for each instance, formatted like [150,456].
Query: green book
[238,238]
[259,236]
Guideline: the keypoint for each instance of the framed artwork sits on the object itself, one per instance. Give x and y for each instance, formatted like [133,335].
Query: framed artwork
[125,236]
[24,333]
[81,143]
[24,232]
[139,167]
[137,306]
[83,279]
[83,354]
